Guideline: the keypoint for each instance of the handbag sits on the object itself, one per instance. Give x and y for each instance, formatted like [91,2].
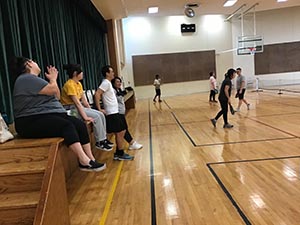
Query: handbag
[5,134]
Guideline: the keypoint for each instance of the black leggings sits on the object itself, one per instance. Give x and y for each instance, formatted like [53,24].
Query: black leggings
[223,111]
[127,135]
[157,94]
[212,95]
[53,125]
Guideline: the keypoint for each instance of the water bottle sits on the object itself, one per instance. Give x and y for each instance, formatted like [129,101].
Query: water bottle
[5,117]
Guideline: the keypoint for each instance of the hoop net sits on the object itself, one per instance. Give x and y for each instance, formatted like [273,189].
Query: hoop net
[252,50]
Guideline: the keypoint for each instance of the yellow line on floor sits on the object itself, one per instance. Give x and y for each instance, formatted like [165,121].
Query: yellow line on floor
[111,194]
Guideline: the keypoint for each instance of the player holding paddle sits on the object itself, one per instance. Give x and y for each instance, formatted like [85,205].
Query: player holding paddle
[224,99]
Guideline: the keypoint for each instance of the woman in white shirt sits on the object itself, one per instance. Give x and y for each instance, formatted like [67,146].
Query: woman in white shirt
[213,87]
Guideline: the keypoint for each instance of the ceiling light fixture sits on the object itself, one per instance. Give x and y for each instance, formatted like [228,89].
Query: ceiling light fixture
[152,10]
[281,0]
[229,3]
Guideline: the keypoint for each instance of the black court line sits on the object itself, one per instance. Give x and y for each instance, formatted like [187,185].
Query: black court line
[245,117]
[152,182]
[237,142]
[277,114]
[163,124]
[167,104]
[233,142]
[241,142]
[254,160]
[273,127]
[242,214]
[186,133]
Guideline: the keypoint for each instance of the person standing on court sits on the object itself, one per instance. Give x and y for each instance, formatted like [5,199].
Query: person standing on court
[224,98]
[213,86]
[241,89]
[157,83]
[117,83]
[114,123]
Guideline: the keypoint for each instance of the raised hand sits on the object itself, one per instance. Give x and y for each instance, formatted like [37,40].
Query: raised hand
[51,73]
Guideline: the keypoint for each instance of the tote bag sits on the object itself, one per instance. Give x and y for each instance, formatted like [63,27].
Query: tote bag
[5,134]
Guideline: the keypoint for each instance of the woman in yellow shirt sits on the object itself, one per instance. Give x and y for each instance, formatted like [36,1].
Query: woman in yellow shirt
[73,98]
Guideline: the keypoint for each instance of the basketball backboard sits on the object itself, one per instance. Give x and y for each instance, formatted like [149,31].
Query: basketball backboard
[249,45]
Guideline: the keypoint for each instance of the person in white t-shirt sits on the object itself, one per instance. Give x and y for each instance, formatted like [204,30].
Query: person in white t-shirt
[156,84]
[114,123]
[213,86]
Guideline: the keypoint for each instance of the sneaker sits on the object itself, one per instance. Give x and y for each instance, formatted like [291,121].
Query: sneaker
[135,146]
[159,100]
[93,166]
[237,110]
[125,156]
[214,122]
[109,143]
[228,125]
[102,145]
[248,106]
[154,100]
[215,101]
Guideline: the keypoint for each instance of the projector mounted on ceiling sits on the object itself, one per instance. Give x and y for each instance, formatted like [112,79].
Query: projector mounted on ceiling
[188,11]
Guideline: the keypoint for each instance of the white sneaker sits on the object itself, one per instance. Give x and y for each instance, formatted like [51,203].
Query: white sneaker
[135,146]
[237,110]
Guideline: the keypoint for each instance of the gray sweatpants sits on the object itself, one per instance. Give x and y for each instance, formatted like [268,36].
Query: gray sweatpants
[99,125]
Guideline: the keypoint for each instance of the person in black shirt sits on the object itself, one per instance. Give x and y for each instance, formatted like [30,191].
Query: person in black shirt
[224,98]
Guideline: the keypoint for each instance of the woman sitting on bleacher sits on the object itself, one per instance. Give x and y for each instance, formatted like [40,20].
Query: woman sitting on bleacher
[73,98]
[39,114]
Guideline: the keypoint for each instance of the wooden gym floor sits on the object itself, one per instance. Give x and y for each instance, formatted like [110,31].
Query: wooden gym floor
[189,173]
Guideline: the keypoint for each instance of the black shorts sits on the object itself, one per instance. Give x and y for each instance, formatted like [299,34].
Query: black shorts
[157,91]
[240,95]
[114,123]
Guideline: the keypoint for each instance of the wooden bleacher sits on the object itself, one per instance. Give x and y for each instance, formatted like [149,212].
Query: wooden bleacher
[32,181]
[33,177]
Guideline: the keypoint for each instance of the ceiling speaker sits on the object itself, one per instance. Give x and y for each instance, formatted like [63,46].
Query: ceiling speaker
[189,12]
[188,28]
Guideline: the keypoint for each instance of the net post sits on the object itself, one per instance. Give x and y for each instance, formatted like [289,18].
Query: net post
[280,87]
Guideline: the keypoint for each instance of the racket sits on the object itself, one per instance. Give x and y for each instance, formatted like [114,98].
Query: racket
[231,109]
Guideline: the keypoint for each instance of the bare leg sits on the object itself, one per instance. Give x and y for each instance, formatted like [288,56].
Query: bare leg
[82,157]
[88,151]
[245,101]
[240,103]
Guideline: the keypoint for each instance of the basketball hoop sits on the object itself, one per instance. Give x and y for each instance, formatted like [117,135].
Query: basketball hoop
[252,50]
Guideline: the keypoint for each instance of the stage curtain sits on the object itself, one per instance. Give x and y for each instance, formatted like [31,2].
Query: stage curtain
[51,32]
